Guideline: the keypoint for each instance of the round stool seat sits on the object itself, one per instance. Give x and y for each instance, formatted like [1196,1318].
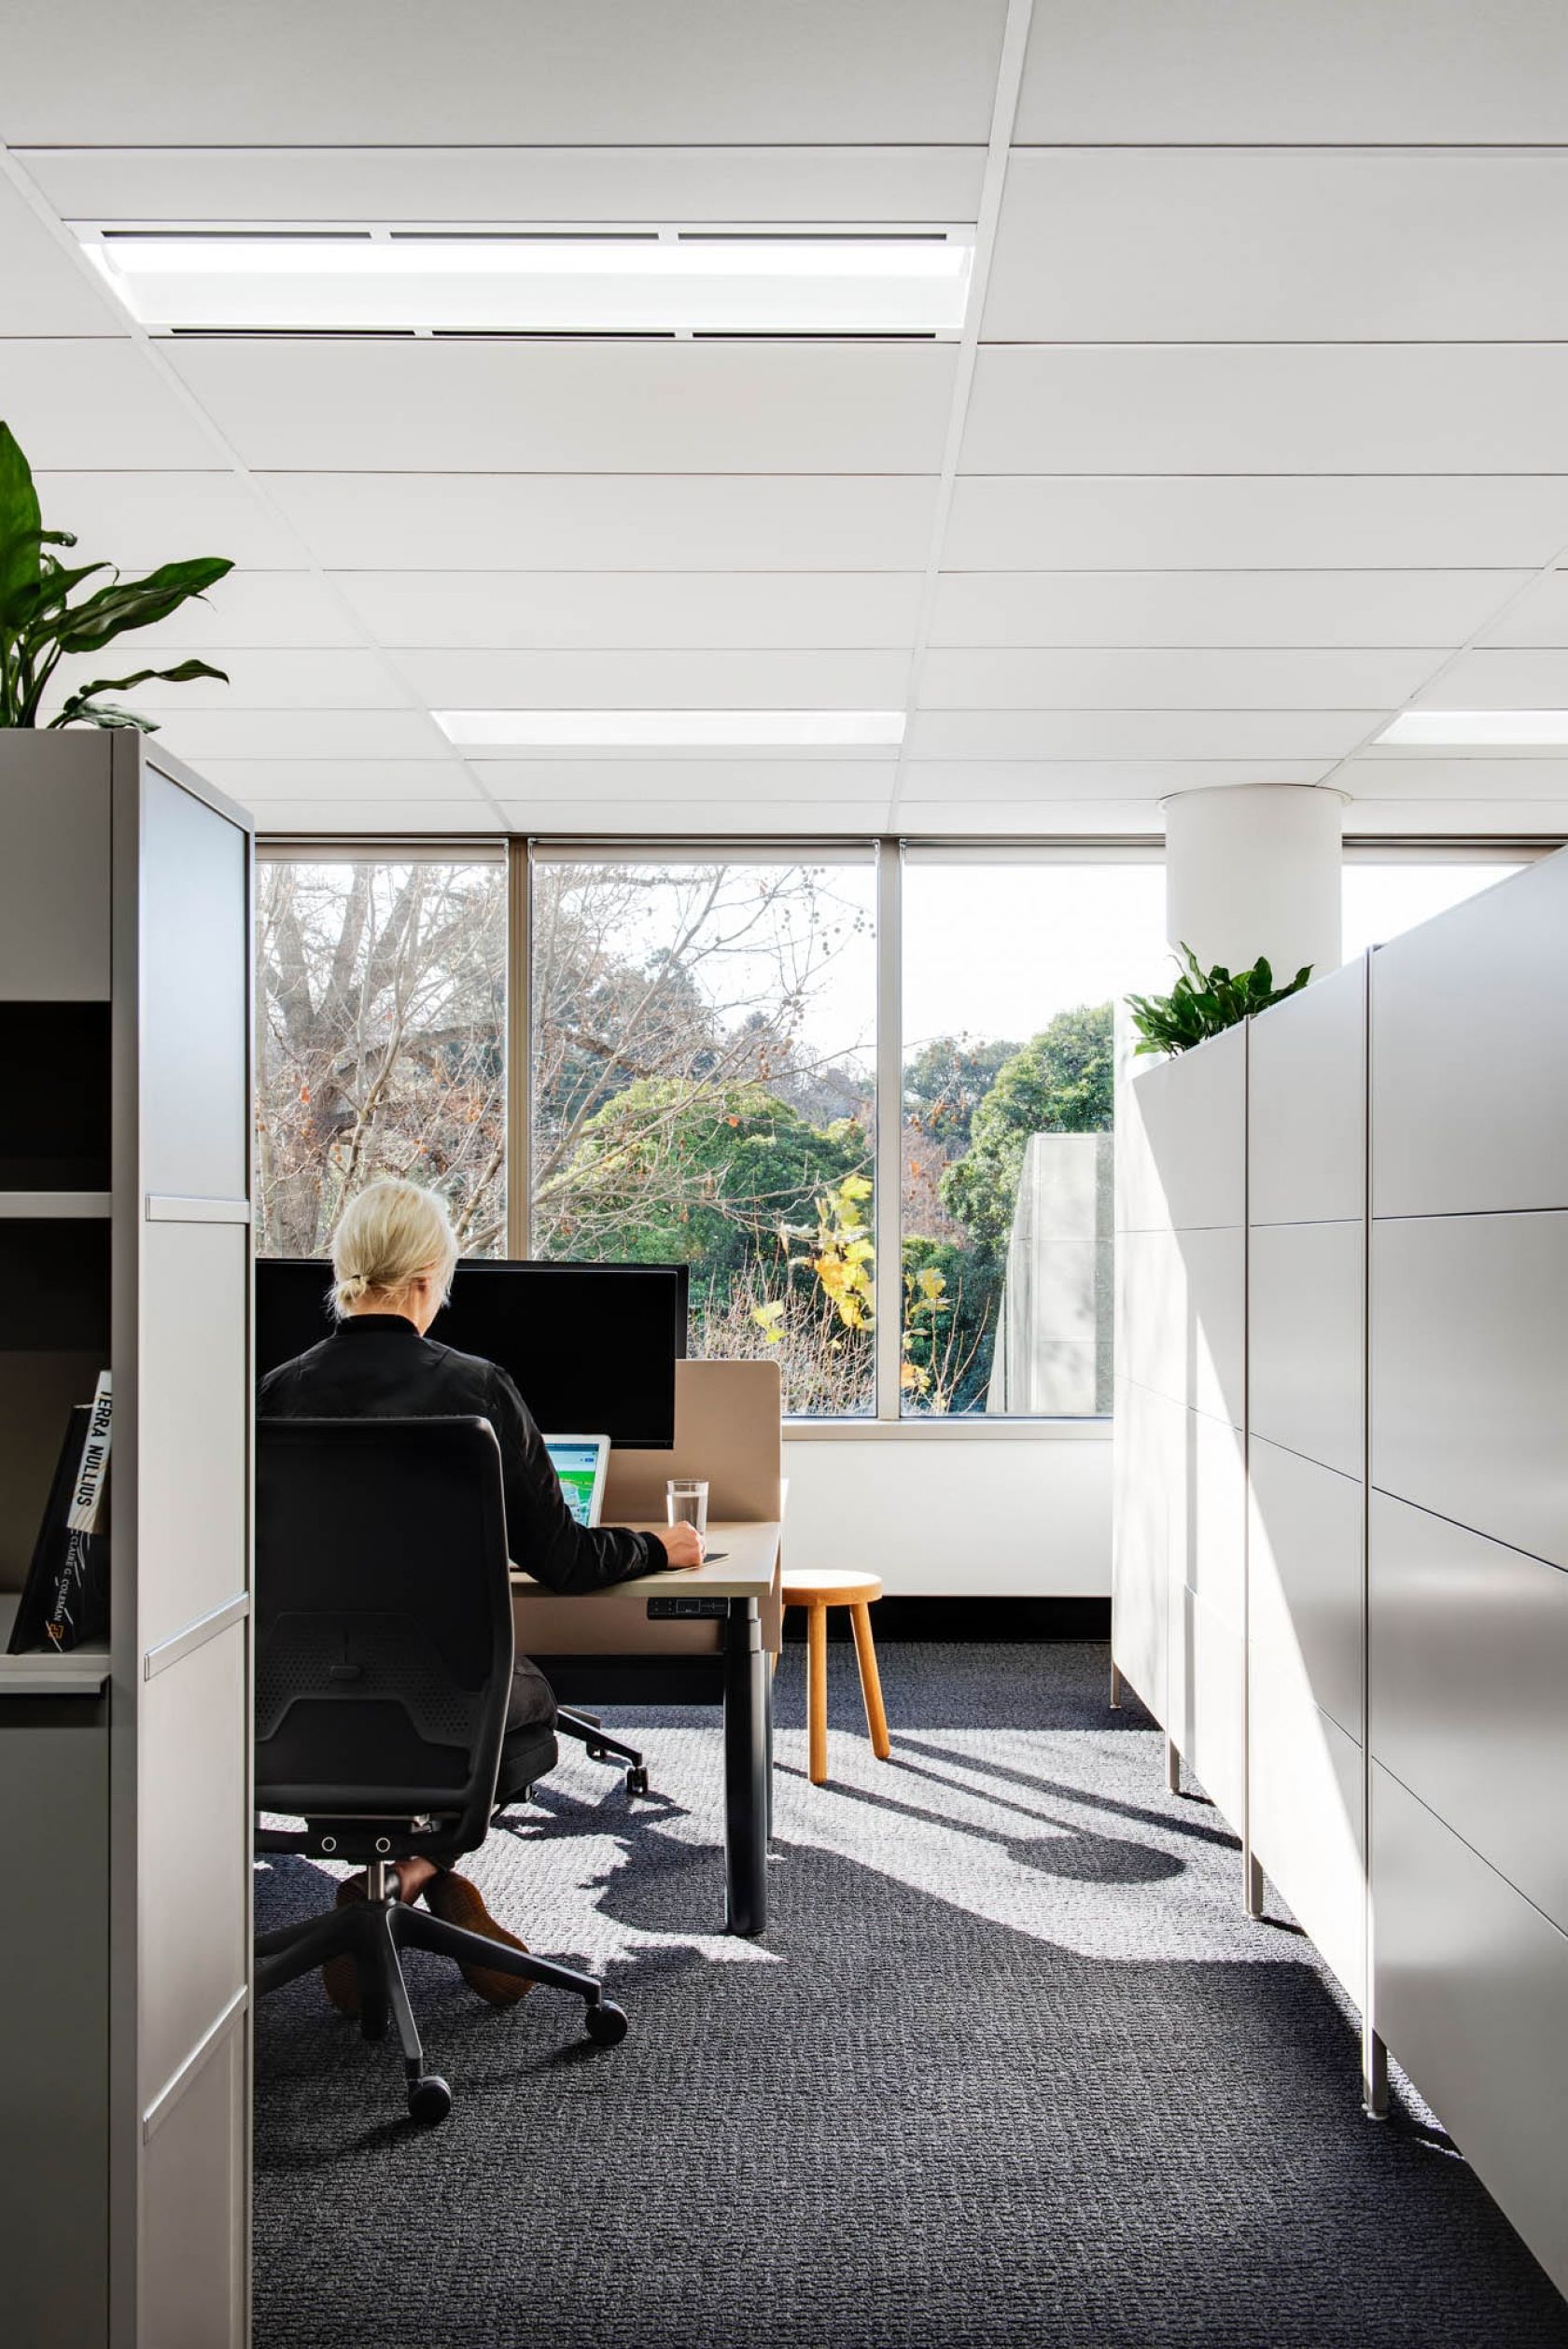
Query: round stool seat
[819,1589]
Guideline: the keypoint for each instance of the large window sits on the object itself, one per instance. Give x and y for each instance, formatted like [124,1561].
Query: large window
[695,1062]
[381,989]
[703,1034]
[1012,967]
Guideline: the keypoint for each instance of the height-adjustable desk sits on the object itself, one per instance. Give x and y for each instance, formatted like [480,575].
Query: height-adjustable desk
[702,1637]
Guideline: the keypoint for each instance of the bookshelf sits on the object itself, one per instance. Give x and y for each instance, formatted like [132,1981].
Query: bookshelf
[125,1030]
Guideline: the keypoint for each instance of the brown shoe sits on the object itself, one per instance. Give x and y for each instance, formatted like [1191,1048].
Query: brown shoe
[461,1903]
[340,1976]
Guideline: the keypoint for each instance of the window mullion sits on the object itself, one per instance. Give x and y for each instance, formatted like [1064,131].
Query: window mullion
[887,1201]
[519,1032]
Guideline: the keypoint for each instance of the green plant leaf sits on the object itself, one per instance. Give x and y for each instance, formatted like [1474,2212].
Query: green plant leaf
[183,675]
[20,525]
[105,714]
[138,603]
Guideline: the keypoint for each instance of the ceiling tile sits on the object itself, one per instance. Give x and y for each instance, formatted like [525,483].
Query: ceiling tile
[513,184]
[97,402]
[145,518]
[692,72]
[359,404]
[1541,819]
[1029,779]
[1377,72]
[1500,681]
[1261,734]
[377,817]
[258,609]
[969,819]
[342,679]
[1449,407]
[658,681]
[1325,522]
[1539,618]
[1251,247]
[565,609]
[48,288]
[717,783]
[1480,778]
[1161,679]
[389,522]
[833,818]
[1284,609]
[301,733]
[255,782]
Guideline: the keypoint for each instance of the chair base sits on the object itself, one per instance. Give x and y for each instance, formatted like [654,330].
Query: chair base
[373,1932]
[587,1728]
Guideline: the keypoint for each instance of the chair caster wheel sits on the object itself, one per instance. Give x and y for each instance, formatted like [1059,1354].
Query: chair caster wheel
[605,2024]
[636,1781]
[430,2100]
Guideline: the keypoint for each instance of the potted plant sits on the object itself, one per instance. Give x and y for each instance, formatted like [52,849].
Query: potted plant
[39,625]
[1204,1003]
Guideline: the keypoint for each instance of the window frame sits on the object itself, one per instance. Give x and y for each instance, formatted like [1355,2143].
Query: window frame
[891,855]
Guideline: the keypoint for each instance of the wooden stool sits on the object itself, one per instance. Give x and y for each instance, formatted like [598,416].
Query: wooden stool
[818,1592]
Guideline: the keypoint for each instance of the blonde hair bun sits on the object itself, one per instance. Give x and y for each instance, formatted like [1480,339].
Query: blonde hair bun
[388,1236]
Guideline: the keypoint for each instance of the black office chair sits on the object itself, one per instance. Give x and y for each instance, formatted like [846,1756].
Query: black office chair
[384,1657]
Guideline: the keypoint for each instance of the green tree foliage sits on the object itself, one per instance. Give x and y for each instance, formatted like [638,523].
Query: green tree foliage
[1062,1081]
[945,1082]
[673,1169]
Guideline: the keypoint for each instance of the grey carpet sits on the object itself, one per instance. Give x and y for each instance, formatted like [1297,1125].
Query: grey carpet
[1009,2067]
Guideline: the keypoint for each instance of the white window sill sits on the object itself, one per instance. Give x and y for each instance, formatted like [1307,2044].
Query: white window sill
[979,1430]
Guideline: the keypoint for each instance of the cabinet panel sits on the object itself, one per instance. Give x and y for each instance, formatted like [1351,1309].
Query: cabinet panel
[54,853]
[1210,1671]
[1212,1547]
[1469,1663]
[1304,1575]
[195,995]
[1481,989]
[192,1887]
[195,1422]
[1305,1340]
[1306,1104]
[1149,1478]
[1307,1811]
[54,1996]
[1183,1311]
[1472,1999]
[193,2282]
[1470,1372]
[1187,1167]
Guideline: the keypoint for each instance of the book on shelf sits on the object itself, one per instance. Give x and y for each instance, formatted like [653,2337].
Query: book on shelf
[65,1597]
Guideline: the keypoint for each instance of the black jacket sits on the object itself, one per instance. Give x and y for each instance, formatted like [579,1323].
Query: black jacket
[376,1365]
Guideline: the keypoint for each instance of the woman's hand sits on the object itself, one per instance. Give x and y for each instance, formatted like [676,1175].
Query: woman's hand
[683,1545]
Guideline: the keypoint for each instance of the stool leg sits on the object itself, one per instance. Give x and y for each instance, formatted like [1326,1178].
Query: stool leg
[871,1684]
[816,1691]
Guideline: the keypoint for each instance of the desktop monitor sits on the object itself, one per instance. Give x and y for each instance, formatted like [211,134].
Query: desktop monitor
[589,1346]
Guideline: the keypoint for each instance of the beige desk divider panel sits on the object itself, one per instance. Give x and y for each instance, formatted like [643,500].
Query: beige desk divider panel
[729,1427]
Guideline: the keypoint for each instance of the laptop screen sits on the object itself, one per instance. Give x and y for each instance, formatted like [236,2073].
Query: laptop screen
[578,1461]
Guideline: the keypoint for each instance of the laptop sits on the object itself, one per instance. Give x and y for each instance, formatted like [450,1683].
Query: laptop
[582,1462]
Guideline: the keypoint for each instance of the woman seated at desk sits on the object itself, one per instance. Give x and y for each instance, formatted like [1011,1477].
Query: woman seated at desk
[393,1257]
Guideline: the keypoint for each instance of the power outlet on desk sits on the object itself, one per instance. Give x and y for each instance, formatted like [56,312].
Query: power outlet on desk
[686,1610]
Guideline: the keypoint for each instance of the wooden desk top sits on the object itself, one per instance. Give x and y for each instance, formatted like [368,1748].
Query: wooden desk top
[745,1571]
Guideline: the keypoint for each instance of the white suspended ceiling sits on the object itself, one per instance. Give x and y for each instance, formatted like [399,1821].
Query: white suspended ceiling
[1257,436]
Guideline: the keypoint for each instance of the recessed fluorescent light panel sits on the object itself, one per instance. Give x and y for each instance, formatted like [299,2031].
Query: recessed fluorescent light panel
[1480,728]
[676,282]
[499,731]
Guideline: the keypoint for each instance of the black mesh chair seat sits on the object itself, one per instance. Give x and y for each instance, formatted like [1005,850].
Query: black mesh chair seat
[384,1662]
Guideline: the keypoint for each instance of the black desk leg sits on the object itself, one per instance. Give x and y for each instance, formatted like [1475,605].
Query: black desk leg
[746,1771]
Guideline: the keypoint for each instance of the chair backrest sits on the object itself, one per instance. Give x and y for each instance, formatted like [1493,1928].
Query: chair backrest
[383,1637]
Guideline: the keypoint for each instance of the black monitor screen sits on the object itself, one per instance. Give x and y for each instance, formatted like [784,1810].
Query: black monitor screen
[592,1348]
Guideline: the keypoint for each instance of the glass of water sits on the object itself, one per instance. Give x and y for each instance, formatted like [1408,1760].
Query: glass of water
[686,1502]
